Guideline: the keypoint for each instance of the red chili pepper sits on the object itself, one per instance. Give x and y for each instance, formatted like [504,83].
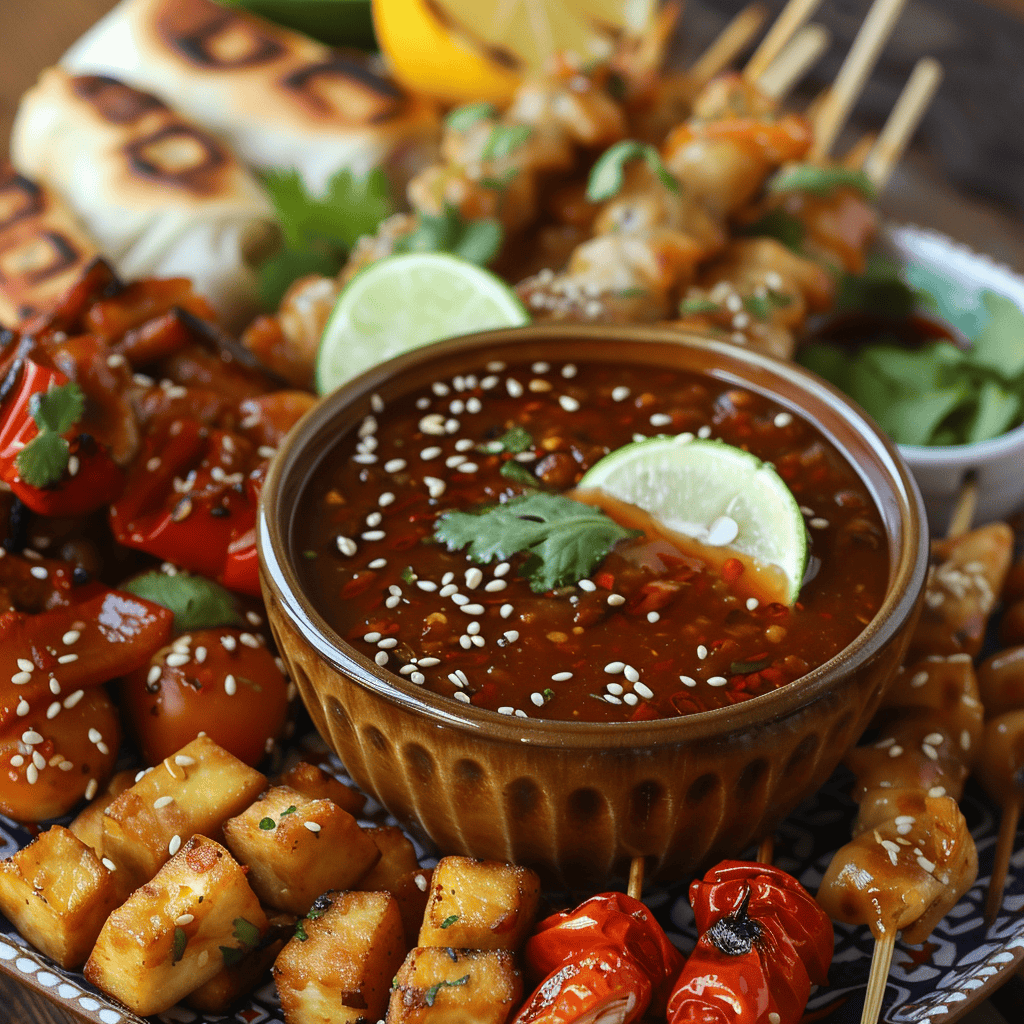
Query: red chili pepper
[208,528]
[763,941]
[91,478]
[608,952]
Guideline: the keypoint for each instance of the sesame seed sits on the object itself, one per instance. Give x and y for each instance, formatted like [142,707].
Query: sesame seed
[155,672]
[620,394]
[23,708]
[91,788]
[494,586]
[381,658]
[782,419]
[385,499]
[473,609]
[53,710]
[925,864]
[919,679]
[462,696]
[895,750]
[174,845]
[631,674]
[688,680]
[54,686]
[506,710]
[25,665]
[724,530]
[506,611]
[930,752]
[610,698]
[568,403]
[934,738]
[537,699]
[38,760]
[387,643]
[653,617]
[473,577]
[394,465]
[717,681]
[177,660]
[184,761]
[66,659]
[616,599]
[32,774]
[501,569]
[457,407]
[660,419]
[426,585]
[752,603]
[418,678]
[818,523]
[313,826]
[616,688]
[448,589]
[230,686]
[20,678]
[561,677]
[72,699]
[373,535]
[430,453]
[429,662]
[183,920]
[460,599]
[17,761]
[613,668]
[702,652]
[937,791]
[393,602]
[514,388]
[435,486]
[511,635]
[378,563]
[588,585]
[643,689]
[31,737]
[704,432]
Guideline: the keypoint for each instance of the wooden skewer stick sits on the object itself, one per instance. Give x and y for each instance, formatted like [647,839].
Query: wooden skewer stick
[1001,864]
[802,52]
[881,961]
[766,850]
[731,41]
[793,15]
[855,156]
[903,121]
[636,878]
[966,505]
[831,115]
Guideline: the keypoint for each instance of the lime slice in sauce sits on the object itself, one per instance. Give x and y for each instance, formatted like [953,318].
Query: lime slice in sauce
[721,497]
[403,302]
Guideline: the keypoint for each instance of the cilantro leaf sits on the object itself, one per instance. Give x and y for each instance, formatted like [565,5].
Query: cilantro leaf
[58,409]
[300,930]
[197,603]
[461,119]
[431,993]
[504,140]
[517,473]
[477,240]
[42,462]
[690,307]
[820,181]
[565,539]
[608,174]
[515,440]
[449,921]
[288,265]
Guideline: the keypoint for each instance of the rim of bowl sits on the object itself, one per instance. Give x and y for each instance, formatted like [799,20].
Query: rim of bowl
[964,455]
[907,576]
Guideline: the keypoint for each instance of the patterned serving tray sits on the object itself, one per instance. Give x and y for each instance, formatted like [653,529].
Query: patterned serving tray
[937,982]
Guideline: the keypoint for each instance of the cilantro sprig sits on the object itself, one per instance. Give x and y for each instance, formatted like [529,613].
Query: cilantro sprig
[431,993]
[565,539]
[461,119]
[44,460]
[820,180]
[609,173]
[475,240]
[197,603]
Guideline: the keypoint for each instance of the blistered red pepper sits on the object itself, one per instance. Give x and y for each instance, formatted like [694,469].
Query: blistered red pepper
[91,479]
[763,941]
[191,500]
[609,954]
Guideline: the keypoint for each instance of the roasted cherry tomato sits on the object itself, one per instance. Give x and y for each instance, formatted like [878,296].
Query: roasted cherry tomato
[223,682]
[47,764]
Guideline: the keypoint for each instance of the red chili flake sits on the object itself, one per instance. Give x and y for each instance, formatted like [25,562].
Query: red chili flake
[605,580]
[358,585]
[732,570]
[644,712]
[774,675]
[410,540]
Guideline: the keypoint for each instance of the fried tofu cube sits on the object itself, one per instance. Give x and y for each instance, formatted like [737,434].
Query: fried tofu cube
[177,931]
[480,904]
[313,782]
[88,823]
[190,793]
[57,893]
[397,858]
[455,986]
[339,966]
[236,980]
[296,848]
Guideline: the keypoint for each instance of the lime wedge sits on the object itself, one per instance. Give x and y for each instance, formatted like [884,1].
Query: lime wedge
[718,495]
[403,302]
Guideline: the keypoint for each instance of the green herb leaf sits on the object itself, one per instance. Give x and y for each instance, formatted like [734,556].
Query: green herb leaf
[999,345]
[288,810]
[197,603]
[477,241]
[43,461]
[58,409]
[232,955]
[820,181]
[178,945]
[739,668]
[463,118]
[504,140]
[565,539]
[780,225]
[996,411]
[517,473]
[608,174]
[300,930]
[246,932]
[449,921]
[267,824]
[879,291]
[480,241]
[694,306]
[408,575]
[287,265]
[515,440]
[431,993]
[500,182]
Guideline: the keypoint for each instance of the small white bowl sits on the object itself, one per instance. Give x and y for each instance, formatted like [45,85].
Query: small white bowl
[997,464]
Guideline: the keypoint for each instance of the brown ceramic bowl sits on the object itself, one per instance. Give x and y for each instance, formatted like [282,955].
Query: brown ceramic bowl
[577,801]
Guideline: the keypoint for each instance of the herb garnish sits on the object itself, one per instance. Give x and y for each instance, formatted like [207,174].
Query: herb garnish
[515,440]
[476,240]
[431,993]
[565,539]
[820,181]
[517,473]
[504,140]
[449,921]
[179,944]
[267,824]
[248,935]
[461,119]
[197,603]
[44,460]
[608,174]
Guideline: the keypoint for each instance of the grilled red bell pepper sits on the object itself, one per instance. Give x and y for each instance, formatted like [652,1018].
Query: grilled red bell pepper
[191,499]
[609,955]
[763,941]
[91,477]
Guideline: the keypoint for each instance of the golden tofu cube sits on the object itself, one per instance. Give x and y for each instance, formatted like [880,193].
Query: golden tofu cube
[190,793]
[480,904]
[313,782]
[455,986]
[88,823]
[397,858]
[176,932]
[296,848]
[57,894]
[339,966]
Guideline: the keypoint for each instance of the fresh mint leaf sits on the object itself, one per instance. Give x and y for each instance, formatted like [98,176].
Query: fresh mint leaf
[42,462]
[999,346]
[477,240]
[515,440]
[997,410]
[821,181]
[608,174]
[565,539]
[431,993]
[461,119]
[197,603]
[58,409]
[504,140]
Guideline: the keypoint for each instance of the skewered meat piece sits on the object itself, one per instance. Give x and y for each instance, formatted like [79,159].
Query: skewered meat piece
[1001,681]
[903,874]
[1000,764]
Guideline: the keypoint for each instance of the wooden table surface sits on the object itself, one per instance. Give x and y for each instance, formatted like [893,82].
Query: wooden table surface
[36,32]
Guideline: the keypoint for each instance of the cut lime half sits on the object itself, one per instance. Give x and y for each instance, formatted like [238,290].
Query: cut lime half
[718,495]
[403,302]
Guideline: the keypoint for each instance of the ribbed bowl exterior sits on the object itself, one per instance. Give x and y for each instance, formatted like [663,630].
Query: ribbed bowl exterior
[578,801]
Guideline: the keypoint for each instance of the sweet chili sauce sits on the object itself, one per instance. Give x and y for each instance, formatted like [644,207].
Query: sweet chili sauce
[656,630]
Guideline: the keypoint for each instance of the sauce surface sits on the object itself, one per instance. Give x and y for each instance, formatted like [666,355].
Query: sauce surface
[656,630]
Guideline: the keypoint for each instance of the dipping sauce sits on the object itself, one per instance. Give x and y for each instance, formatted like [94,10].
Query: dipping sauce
[659,628]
